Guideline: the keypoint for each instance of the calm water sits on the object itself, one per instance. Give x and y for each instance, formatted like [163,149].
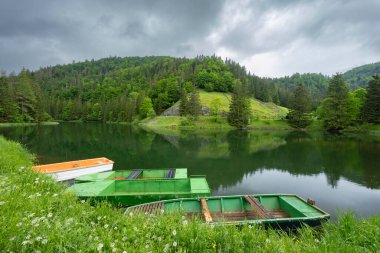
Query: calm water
[339,172]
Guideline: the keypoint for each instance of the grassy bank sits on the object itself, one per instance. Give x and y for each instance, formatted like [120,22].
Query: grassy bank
[209,122]
[37,215]
[27,124]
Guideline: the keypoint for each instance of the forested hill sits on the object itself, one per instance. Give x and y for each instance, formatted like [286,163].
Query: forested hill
[125,89]
[359,76]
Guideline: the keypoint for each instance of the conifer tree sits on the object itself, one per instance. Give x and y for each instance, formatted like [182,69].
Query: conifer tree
[25,96]
[8,106]
[300,106]
[183,103]
[335,107]
[240,107]
[194,104]
[371,109]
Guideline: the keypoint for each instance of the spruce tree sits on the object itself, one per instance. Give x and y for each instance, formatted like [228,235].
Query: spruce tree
[183,103]
[300,106]
[25,96]
[371,109]
[8,106]
[240,107]
[194,105]
[335,107]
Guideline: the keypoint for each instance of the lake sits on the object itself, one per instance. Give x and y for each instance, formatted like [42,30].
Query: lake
[339,172]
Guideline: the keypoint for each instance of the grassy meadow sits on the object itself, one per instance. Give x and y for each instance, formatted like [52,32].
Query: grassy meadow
[38,215]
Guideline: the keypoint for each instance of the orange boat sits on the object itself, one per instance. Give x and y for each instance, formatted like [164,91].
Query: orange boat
[70,170]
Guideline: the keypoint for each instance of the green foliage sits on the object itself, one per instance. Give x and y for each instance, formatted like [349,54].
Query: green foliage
[299,116]
[240,108]
[371,109]
[146,109]
[335,107]
[356,102]
[216,106]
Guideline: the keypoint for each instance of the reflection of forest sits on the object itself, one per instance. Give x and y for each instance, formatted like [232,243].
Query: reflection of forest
[224,157]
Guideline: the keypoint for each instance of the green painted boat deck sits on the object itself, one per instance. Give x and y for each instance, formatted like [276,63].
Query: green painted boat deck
[264,209]
[123,175]
[131,192]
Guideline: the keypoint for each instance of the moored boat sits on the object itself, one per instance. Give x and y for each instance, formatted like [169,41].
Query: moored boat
[134,174]
[70,170]
[134,192]
[276,210]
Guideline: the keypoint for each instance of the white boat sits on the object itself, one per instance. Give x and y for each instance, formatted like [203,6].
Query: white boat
[70,170]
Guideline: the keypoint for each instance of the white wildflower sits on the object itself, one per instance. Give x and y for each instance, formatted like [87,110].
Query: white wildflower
[31,215]
[135,229]
[50,215]
[159,239]
[174,244]
[27,237]
[316,240]
[185,222]
[100,246]
[124,238]
[174,232]
[19,224]
[2,203]
[267,240]
[99,218]
[38,238]
[92,223]
[147,246]
[115,228]
[130,214]
[25,242]
[125,251]
[106,226]
[112,244]
[55,195]
[38,194]
[44,241]
[83,201]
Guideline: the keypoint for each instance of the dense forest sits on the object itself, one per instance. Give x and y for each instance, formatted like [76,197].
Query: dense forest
[132,88]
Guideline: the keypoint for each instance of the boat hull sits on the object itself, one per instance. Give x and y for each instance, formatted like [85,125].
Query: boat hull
[70,170]
[133,192]
[270,210]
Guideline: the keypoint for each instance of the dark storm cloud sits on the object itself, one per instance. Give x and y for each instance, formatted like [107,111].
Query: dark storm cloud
[270,37]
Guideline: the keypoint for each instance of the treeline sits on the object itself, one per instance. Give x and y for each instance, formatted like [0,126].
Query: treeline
[114,89]
[132,88]
[340,108]
[21,99]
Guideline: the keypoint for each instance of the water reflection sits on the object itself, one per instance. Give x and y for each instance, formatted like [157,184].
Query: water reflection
[337,171]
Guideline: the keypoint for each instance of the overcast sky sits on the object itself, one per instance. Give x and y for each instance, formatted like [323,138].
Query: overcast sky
[271,38]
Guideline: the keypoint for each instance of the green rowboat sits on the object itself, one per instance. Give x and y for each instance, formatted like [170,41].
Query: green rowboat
[133,174]
[275,210]
[134,192]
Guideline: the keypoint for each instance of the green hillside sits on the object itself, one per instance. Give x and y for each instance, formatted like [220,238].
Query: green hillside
[260,110]
[359,76]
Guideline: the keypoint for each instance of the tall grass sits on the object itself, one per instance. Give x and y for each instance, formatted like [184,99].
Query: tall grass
[38,215]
